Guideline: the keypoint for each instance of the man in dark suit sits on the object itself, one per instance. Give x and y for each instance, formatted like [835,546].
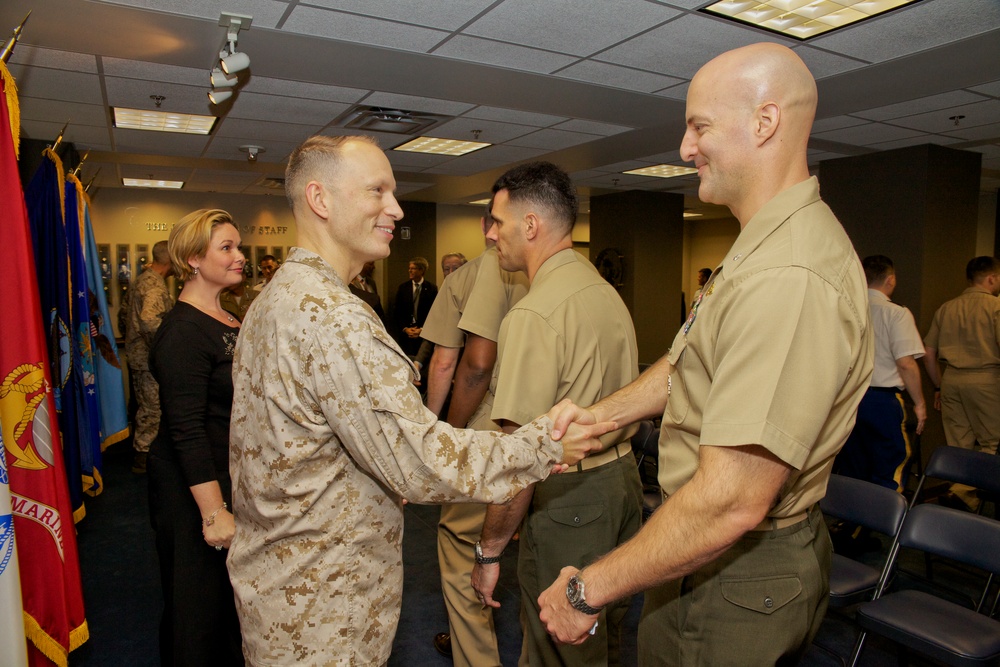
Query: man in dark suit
[413,301]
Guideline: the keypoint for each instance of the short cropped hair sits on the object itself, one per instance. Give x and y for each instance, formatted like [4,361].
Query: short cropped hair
[459,255]
[190,238]
[421,263]
[316,154]
[266,258]
[160,253]
[980,267]
[877,268]
[545,184]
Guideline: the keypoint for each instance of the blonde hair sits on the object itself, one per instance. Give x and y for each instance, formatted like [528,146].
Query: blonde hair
[315,154]
[190,238]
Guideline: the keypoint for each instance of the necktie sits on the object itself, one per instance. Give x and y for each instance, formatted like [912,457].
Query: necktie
[416,300]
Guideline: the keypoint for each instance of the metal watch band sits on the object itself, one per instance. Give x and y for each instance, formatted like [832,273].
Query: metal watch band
[486,560]
[577,600]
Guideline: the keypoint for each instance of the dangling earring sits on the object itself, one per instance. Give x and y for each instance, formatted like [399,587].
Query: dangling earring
[195,272]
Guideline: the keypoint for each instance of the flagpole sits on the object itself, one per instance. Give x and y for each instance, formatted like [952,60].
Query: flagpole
[55,144]
[76,172]
[9,46]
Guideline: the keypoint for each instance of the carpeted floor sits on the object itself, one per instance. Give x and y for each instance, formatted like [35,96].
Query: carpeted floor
[122,591]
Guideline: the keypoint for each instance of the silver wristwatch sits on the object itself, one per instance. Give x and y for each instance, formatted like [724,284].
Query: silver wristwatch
[575,595]
[484,560]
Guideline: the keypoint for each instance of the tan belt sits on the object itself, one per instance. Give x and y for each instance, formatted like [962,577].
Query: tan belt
[597,460]
[777,523]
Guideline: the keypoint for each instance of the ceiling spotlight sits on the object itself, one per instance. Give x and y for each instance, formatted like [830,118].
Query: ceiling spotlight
[220,80]
[235,61]
[252,151]
[219,96]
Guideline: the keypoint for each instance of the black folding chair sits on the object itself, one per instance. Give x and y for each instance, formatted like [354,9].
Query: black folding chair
[929,625]
[876,508]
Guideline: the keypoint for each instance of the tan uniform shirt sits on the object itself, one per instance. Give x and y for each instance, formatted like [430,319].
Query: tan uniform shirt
[570,337]
[966,331]
[896,336]
[148,302]
[778,353]
[441,325]
[327,433]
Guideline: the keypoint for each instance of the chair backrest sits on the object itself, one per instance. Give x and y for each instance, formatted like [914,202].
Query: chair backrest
[864,503]
[961,536]
[966,466]
[645,441]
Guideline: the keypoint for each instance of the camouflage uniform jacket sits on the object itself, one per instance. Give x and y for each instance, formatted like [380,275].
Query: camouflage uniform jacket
[328,432]
[148,302]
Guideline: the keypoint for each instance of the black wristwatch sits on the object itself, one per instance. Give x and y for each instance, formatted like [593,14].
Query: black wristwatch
[483,560]
[575,595]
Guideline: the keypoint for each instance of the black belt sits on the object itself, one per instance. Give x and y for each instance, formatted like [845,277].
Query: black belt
[887,390]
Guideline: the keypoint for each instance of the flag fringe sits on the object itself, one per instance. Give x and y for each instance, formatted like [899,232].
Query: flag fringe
[13,108]
[115,438]
[48,646]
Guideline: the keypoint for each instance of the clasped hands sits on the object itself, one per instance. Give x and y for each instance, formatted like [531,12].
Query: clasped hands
[578,430]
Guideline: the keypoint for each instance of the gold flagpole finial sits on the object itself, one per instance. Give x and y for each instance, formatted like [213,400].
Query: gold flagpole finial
[12,42]
[86,188]
[76,172]
[55,144]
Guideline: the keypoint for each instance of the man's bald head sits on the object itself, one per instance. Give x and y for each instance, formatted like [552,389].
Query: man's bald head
[749,115]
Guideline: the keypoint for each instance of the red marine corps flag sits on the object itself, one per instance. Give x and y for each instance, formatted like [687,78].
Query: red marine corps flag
[42,517]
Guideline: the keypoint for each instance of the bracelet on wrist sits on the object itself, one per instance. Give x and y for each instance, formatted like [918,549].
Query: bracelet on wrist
[211,517]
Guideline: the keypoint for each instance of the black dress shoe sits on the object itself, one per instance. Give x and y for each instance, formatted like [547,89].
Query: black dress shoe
[442,642]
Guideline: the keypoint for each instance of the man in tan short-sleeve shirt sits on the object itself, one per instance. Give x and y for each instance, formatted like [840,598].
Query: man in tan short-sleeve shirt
[963,363]
[758,393]
[570,337]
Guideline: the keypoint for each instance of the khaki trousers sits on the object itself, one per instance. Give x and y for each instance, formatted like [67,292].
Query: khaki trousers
[473,635]
[970,414]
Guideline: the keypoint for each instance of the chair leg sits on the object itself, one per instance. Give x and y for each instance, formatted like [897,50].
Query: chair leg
[986,592]
[858,647]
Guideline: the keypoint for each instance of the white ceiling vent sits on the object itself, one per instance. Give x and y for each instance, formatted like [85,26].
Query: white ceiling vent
[381,119]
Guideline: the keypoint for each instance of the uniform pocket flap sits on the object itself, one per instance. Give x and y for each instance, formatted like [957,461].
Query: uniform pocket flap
[579,515]
[764,594]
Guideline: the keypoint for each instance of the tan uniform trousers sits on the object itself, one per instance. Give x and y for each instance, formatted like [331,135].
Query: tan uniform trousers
[970,413]
[147,417]
[473,635]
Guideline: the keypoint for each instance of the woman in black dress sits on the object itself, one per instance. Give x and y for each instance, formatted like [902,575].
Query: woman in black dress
[190,492]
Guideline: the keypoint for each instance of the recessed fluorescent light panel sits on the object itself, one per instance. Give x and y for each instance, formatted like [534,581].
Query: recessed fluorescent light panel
[802,19]
[692,214]
[481,202]
[151,183]
[662,171]
[441,146]
[161,121]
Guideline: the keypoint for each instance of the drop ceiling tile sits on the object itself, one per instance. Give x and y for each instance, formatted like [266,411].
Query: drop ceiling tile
[822,63]
[36,56]
[137,69]
[352,28]
[681,47]
[53,84]
[870,133]
[622,181]
[592,127]
[494,155]
[552,139]
[416,161]
[988,150]
[594,25]
[254,106]
[156,172]
[670,157]
[414,103]
[606,74]
[988,131]
[976,114]
[918,28]
[514,116]
[442,14]
[241,128]
[917,140]
[675,92]
[309,91]
[135,94]
[619,167]
[408,187]
[82,136]
[500,54]
[265,13]
[491,132]
[228,148]
[992,89]
[94,115]
[836,123]
[219,177]
[920,105]
[159,143]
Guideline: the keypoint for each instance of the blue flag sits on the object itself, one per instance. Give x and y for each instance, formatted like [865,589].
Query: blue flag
[84,373]
[107,362]
[44,199]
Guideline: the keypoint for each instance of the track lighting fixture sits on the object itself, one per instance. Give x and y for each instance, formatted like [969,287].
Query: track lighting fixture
[234,62]
[219,96]
[223,77]
[220,79]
